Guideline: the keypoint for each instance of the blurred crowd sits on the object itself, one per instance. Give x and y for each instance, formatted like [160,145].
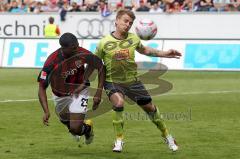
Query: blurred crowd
[108,6]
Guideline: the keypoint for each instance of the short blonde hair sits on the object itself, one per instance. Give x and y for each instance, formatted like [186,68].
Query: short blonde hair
[122,12]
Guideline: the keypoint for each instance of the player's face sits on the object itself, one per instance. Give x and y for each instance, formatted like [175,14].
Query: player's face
[70,50]
[124,23]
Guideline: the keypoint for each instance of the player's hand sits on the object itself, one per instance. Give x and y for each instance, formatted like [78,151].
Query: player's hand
[172,54]
[46,117]
[96,102]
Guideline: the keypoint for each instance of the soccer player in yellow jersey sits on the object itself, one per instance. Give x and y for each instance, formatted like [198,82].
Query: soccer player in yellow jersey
[117,51]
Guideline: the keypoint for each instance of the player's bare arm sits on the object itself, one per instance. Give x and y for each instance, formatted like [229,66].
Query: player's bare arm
[94,63]
[148,51]
[101,78]
[42,95]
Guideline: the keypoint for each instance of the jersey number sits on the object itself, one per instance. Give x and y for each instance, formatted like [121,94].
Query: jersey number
[84,102]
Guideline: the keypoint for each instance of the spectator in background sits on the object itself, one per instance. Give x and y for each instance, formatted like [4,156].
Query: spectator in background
[50,6]
[63,11]
[119,6]
[143,7]
[112,4]
[128,4]
[31,6]
[151,3]
[74,7]
[101,5]
[103,8]
[168,8]
[229,8]
[220,4]
[2,7]
[176,7]
[60,3]
[14,7]
[24,8]
[235,5]
[38,8]
[91,5]
[188,6]
[155,8]
[51,30]
[80,3]
[206,5]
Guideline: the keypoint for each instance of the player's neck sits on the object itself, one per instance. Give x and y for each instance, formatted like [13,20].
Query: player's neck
[120,35]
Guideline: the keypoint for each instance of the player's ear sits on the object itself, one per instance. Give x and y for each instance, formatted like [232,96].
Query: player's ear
[62,49]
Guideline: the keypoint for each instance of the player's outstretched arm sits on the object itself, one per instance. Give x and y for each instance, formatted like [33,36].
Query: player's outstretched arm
[42,95]
[98,95]
[145,50]
[95,62]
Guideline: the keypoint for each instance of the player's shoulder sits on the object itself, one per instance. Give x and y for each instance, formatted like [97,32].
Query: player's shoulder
[106,38]
[83,50]
[52,57]
[132,35]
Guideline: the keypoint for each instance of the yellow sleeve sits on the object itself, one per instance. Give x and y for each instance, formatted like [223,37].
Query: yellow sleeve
[139,43]
[99,50]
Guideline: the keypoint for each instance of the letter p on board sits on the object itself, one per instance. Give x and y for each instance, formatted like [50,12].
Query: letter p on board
[16,50]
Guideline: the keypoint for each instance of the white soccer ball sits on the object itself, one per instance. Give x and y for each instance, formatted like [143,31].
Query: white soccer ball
[146,29]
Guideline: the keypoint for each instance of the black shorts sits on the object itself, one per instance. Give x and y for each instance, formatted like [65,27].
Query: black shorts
[134,90]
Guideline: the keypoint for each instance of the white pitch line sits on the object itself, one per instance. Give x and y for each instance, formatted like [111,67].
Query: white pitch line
[166,94]
[18,100]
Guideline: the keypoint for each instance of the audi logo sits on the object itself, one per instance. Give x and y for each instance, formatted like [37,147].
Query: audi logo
[94,28]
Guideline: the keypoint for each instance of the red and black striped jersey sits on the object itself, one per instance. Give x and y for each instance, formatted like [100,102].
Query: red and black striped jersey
[64,71]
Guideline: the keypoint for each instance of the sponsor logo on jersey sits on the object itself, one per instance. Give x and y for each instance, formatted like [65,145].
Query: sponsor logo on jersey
[121,54]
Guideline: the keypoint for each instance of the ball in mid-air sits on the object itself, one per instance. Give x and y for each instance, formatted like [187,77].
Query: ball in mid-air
[146,29]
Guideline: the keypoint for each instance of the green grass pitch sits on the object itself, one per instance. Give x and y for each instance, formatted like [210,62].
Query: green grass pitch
[202,112]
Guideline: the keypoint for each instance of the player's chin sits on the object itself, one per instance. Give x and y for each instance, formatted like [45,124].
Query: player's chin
[125,30]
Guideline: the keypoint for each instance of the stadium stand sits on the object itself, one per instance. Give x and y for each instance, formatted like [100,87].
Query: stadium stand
[169,6]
